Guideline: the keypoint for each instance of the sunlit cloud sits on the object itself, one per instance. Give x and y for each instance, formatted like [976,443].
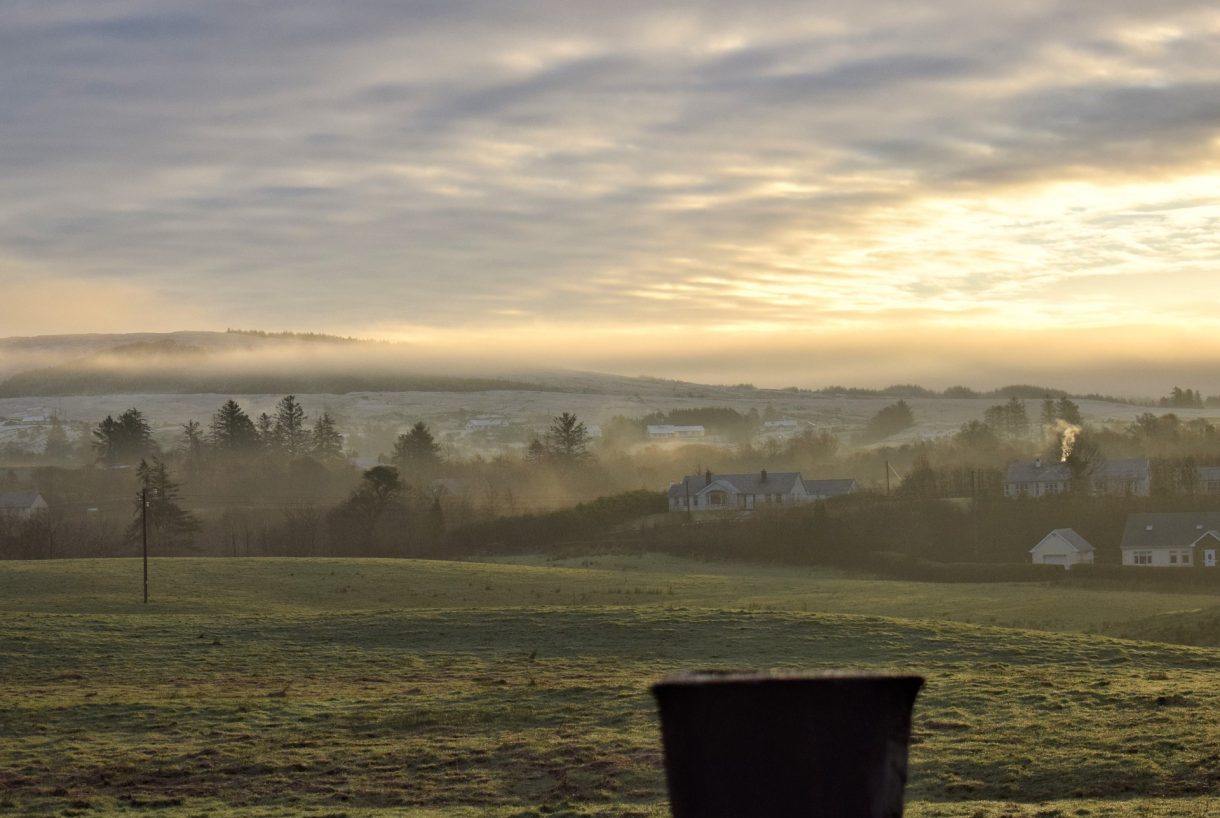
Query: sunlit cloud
[474,171]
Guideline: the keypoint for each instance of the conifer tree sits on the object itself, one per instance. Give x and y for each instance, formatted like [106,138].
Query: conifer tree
[327,443]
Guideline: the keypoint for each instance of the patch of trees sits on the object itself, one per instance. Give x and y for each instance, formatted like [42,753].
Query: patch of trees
[1180,398]
[539,533]
[888,421]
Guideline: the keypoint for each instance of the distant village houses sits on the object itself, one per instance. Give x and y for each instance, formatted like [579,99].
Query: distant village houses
[667,431]
[745,492]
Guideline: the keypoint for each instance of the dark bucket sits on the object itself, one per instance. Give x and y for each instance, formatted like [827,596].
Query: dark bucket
[746,745]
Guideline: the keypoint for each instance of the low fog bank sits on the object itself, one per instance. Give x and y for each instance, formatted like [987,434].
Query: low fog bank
[1130,362]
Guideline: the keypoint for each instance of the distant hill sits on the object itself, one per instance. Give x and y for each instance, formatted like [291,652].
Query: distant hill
[239,362]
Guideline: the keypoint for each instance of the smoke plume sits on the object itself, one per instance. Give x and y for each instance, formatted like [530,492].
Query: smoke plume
[1067,433]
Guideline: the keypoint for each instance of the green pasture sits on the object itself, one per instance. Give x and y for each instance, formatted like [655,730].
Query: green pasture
[411,688]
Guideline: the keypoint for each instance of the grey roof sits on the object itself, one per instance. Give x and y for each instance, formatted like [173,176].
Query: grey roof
[1170,530]
[777,483]
[1133,468]
[18,499]
[1209,472]
[1033,473]
[830,488]
[1073,539]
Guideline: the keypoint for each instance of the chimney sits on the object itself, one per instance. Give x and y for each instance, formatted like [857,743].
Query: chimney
[1037,462]
[763,478]
[707,476]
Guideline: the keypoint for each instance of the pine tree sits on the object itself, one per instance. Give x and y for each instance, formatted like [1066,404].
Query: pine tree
[232,430]
[167,521]
[417,449]
[568,439]
[327,443]
[1016,422]
[264,427]
[123,441]
[535,452]
[1069,411]
[291,435]
[190,446]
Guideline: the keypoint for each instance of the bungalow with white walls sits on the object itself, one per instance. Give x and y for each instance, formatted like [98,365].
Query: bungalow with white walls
[1037,479]
[1116,478]
[1129,477]
[21,504]
[1063,546]
[1172,540]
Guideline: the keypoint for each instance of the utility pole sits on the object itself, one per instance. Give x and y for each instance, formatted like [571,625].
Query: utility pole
[887,478]
[144,536]
[686,485]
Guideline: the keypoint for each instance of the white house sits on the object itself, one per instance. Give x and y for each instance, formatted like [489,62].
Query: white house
[1209,479]
[663,431]
[1129,477]
[745,492]
[1175,540]
[1037,479]
[21,504]
[1063,546]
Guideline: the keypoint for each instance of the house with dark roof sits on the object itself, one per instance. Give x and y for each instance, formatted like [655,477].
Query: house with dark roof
[21,504]
[1172,540]
[745,492]
[1127,477]
[1208,481]
[1122,478]
[1063,546]
[1037,479]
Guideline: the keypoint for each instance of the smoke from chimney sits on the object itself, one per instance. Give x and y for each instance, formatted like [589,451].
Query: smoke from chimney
[1067,433]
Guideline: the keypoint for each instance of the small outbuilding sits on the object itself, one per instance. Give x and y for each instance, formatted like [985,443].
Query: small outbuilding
[1063,546]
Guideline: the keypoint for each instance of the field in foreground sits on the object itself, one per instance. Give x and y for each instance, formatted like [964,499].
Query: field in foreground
[364,687]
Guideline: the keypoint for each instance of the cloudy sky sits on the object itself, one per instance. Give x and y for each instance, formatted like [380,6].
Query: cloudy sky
[778,192]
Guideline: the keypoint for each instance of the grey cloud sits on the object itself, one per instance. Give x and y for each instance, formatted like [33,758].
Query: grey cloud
[346,154]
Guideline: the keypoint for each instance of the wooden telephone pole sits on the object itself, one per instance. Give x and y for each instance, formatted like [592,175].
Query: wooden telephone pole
[144,536]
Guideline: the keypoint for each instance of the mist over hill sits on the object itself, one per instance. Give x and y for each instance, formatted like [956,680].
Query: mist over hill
[235,362]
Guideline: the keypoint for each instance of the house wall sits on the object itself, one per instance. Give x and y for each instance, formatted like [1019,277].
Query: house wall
[1035,488]
[1180,557]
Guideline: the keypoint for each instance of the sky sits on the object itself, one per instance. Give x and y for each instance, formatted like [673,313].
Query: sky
[786,193]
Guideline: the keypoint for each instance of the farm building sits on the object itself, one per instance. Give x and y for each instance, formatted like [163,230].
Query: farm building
[21,504]
[1172,540]
[745,492]
[1063,546]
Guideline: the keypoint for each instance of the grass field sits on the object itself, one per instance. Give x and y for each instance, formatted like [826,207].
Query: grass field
[391,688]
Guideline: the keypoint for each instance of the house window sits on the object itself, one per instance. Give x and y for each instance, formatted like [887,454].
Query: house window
[1142,558]
[716,498]
[1185,558]
[1173,557]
